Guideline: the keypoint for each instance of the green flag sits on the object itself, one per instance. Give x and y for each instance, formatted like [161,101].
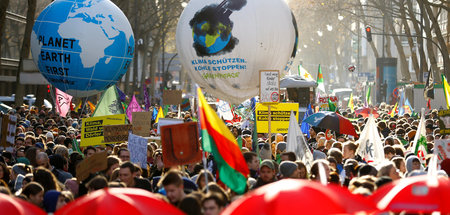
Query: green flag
[109,103]
[331,106]
[369,102]
[320,84]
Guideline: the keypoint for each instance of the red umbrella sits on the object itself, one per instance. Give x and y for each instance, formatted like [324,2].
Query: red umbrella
[291,196]
[119,201]
[365,112]
[11,205]
[419,194]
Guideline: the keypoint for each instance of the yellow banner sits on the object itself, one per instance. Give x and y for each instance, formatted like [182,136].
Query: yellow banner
[280,114]
[92,128]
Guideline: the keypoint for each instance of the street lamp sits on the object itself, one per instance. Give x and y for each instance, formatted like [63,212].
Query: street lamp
[329,27]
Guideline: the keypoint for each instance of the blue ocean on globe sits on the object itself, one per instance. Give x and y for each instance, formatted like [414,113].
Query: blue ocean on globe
[82,47]
[212,43]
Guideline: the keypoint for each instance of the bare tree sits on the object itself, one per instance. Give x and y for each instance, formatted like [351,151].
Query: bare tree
[25,50]
[3,7]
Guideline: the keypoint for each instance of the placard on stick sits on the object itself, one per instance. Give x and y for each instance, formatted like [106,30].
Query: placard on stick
[269,87]
[172,97]
[142,123]
[95,163]
[116,133]
[8,130]
[180,144]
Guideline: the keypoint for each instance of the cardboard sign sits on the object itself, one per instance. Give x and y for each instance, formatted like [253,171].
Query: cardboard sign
[116,133]
[269,86]
[138,150]
[142,122]
[8,130]
[442,149]
[92,128]
[172,97]
[323,102]
[168,121]
[444,121]
[96,163]
[180,144]
[280,115]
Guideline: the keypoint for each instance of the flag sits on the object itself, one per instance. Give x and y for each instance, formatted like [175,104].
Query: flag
[419,146]
[320,84]
[296,142]
[146,98]
[122,95]
[91,106]
[218,140]
[78,106]
[160,114]
[109,103]
[407,107]
[63,101]
[392,113]
[155,113]
[446,91]
[428,91]
[351,104]
[370,143]
[305,126]
[133,107]
[368,100]
[224,111]
[401,105]
[331,106]
[304,74]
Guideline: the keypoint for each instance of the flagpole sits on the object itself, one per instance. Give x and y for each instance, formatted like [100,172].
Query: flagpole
[270,130]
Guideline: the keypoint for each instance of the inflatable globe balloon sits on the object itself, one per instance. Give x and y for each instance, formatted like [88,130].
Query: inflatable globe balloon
[224,44]
[82,46]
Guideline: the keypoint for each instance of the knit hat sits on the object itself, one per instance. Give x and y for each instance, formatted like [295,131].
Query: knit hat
[319,155]
[39,145]
[23,160]
[267,163]
[19,170]
[49,135]
[265,152]
[281,146]
[50,200]
[287,168]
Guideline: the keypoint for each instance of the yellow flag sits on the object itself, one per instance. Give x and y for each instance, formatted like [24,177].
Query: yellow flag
[78,106]
[394,109]
[91,106]
[446,91]
[160,114]
[350,103]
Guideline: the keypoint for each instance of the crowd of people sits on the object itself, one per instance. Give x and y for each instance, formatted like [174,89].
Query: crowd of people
[41,165]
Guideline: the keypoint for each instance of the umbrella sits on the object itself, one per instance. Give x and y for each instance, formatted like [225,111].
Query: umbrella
[365,112]
[418,194]
[290,196]
[333,121]
[119,201]
[10,205]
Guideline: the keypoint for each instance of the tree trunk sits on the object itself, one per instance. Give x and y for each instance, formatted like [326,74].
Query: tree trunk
[420,46]
[25,50]
[154,65]
[3,7]
[430,50]
[401,52]
[410,39]
[441,41]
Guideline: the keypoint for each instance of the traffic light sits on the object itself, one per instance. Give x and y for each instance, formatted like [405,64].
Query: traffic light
[48,88]
[369,34]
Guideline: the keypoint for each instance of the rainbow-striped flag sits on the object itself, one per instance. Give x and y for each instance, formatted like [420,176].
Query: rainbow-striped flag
[218,140]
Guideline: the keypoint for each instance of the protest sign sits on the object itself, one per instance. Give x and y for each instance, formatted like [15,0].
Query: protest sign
[92,128]
[93,164]
[444,121]
[168,121]
[138,150]
[116,133]
[269,87]
[142,123]
[280,115]
[180,144]
[8,130]
[442,149]
[172,97]
[323,102]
